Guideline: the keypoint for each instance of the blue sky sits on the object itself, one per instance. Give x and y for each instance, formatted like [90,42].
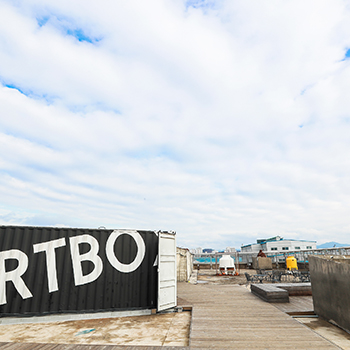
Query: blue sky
[225,121]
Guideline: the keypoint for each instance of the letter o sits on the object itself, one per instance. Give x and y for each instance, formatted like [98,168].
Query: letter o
[126,268]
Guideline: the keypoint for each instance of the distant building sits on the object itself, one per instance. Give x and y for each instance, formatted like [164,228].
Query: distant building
[230,250]
[278,244]
[197,251]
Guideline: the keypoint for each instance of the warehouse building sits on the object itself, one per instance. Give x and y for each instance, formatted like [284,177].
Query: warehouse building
[278,244]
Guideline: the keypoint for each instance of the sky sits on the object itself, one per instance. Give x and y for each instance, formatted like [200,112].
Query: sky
[226,121]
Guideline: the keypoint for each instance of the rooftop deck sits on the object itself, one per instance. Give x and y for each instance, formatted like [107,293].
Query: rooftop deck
[230,316]
[224,316]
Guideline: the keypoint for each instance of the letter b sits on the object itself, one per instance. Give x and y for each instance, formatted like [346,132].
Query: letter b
[91,255]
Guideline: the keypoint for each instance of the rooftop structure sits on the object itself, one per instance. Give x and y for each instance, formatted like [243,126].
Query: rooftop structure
[278,244]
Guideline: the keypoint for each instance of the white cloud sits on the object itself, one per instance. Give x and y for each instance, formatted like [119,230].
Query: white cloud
[226,123]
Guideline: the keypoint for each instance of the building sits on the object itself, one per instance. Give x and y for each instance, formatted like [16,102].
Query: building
[197,251]
[230,250]
[278,244]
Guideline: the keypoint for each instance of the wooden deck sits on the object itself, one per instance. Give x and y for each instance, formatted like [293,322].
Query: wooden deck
[297,304]
[223,317]
[230,316]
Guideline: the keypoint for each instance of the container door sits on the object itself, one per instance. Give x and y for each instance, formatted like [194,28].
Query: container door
[166,271]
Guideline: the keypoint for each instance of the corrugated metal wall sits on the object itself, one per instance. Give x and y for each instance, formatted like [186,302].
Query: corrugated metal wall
[97,282]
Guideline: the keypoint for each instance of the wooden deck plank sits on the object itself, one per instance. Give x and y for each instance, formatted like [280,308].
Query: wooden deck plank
[262,344]
[301,303]
[231,317]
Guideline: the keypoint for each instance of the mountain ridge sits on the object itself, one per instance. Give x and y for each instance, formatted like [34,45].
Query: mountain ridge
[332,245]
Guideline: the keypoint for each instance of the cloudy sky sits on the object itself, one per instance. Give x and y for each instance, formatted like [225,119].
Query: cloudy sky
[225,121]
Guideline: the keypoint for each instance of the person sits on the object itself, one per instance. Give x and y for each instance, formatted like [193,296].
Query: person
[261,254]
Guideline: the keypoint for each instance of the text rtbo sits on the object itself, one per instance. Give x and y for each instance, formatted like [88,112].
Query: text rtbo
[49,249]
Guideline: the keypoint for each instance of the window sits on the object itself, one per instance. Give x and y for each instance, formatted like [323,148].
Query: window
[308,247]
[296,247]
[285,248]
[273,248]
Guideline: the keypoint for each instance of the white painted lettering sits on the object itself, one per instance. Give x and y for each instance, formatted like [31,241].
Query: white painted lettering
[126,268]
[14,275]
[49,249]
[91,255]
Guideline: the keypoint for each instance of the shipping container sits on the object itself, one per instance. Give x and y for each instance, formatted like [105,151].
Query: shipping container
[50,270]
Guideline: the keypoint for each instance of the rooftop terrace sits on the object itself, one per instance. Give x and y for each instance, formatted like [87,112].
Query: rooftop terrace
[225,315]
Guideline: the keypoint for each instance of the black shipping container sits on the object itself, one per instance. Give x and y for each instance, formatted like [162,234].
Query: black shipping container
[46,270]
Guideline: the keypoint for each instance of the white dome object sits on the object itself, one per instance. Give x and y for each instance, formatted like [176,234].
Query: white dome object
[226,262]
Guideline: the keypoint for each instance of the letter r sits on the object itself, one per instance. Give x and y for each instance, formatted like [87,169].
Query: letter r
[14,275]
